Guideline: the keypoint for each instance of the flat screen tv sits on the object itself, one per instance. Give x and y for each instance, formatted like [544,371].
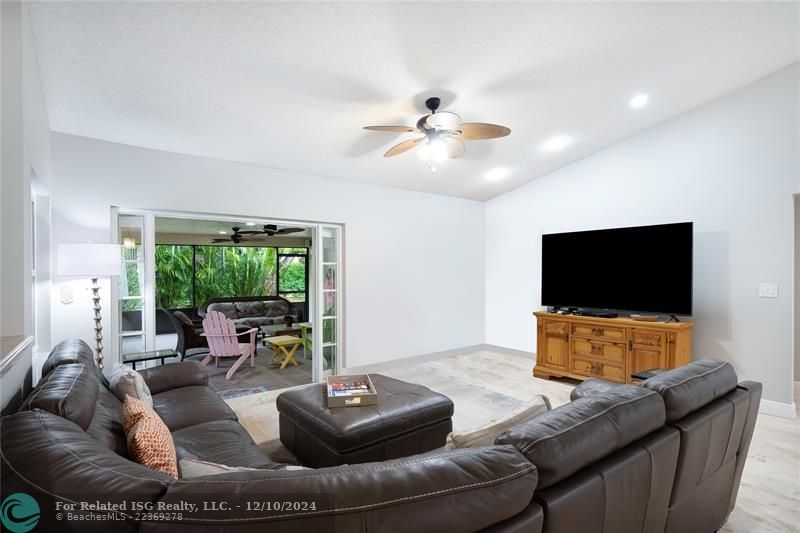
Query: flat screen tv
[645,269]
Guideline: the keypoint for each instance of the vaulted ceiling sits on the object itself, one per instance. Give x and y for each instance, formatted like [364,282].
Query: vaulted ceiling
[289,85]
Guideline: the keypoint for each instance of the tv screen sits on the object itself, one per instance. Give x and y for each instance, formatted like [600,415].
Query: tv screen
[646,268]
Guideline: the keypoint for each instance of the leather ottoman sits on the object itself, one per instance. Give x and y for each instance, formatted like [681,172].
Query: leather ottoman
[408,419]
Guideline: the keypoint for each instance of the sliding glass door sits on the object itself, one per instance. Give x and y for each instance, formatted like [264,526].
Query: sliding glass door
[328,340]
[135,306]
[312,277]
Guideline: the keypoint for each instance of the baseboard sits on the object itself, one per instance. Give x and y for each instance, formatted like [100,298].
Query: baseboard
[413,360]
[509,351]
[783,410]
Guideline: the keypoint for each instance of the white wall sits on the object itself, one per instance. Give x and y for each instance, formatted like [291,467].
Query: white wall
[25,152]
[730,166]
[797,285]
[414,261]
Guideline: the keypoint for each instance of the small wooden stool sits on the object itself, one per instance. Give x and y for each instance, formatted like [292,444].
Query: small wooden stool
[279,345]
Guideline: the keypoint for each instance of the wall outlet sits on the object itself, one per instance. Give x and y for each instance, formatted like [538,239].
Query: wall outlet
[768,290]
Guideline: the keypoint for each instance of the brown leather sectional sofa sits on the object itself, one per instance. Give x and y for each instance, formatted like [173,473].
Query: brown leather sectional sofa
[666,456]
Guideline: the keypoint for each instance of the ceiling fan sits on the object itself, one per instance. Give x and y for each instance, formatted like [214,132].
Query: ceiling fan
[268,230]
[444,133]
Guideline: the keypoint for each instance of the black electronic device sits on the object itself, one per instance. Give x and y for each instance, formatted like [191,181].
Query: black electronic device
[645,268]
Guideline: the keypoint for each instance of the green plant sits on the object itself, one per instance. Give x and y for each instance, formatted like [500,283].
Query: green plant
[293,274]
[221,271]
[129,286]
[173,276]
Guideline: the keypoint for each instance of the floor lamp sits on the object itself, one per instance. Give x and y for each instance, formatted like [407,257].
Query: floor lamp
[93,261]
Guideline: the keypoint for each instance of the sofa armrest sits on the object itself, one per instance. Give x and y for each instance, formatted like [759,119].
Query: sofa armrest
[590,387]
[460,490]
[166,377]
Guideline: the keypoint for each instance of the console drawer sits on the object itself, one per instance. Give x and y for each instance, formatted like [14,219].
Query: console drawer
[598,369]
[601,349]
[590,331]
[648,338]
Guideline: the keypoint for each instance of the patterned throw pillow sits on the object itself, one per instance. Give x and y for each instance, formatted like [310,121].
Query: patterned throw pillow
[126,381]
[149,441]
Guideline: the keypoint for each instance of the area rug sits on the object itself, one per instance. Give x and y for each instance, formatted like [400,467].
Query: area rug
[485,386]
[238,393]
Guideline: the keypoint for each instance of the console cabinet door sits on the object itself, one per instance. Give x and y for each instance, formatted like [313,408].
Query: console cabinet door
[554,342]
[648,350]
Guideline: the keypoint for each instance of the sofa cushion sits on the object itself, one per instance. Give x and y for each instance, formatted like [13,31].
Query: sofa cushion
[688,388]
[106,426]
[57,459]
[277,308]
[166,377]
[246,309]
[590,387]
[189,406]
[71,352]
[69,391]
[254,321]
[461,490]
[226,308]
[149,441]
[568,438]
[221,441]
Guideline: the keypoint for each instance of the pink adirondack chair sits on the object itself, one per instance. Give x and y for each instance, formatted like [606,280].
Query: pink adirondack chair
[223,341]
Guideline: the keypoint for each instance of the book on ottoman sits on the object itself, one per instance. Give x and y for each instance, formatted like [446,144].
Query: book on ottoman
[351,391]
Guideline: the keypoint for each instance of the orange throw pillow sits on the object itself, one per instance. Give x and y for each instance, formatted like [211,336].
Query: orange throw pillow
[149,440]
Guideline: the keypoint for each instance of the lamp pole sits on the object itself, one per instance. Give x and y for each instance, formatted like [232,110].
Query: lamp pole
[98,327]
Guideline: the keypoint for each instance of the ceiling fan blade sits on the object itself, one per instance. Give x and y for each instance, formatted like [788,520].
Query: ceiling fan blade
[250,232]
[402,147]
[398,129]
[443,120]
[474,131]
[455,147]
[285,231]
[220,240]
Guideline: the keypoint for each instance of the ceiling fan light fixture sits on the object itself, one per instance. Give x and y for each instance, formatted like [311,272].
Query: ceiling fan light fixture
[444,133]
[435,151]
[223,232]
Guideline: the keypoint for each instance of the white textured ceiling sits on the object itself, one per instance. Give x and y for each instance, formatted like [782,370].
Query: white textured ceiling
[289,85]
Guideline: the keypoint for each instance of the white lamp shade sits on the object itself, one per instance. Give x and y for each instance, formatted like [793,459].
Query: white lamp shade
[89,259]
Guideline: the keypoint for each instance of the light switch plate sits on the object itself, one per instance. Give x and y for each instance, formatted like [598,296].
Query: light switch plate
[768,290]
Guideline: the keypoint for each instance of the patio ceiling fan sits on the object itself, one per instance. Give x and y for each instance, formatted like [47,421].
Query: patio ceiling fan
[268,230]
[444,132]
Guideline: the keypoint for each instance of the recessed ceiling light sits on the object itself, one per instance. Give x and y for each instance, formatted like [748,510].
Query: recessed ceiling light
[497,174]
[250,223]
[223,232]
[640,100]
[556,143]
